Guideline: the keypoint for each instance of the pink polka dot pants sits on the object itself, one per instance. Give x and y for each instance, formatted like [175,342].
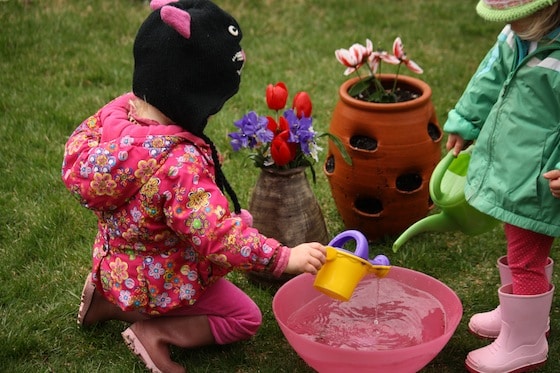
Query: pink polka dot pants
[527,254]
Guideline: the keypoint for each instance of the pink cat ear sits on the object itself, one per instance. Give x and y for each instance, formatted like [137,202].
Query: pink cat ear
[156,4]
[177,18]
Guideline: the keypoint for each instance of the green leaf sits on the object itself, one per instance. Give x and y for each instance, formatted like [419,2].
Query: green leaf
[313,175]
[359,87]
[339,145]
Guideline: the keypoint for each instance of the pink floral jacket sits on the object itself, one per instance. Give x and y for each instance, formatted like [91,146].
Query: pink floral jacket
[165,231]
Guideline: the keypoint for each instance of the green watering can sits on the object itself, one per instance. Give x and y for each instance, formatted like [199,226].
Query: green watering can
[446,189]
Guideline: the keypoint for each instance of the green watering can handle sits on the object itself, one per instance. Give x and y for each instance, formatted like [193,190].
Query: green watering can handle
[439,173]
[437,176]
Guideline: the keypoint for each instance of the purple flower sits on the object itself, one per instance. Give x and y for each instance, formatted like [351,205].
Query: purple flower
[252,131]
[238,140]
[306,135]
[301,130]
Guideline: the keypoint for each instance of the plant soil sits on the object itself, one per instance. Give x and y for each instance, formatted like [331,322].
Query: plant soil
[406,95]
[400,95]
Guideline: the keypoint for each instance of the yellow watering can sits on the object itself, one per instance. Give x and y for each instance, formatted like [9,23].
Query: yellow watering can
[447,191]
[343,269]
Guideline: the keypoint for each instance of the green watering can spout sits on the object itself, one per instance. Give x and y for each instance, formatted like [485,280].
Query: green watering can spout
[447,192]
[433,223]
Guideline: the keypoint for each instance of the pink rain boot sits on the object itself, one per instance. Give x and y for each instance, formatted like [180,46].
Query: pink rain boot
[488,324]
[521,345]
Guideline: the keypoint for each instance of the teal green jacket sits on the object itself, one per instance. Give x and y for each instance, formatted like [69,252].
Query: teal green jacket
[511,107]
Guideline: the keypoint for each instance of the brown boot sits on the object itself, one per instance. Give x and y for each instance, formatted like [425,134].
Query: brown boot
[150,339]
[94,308]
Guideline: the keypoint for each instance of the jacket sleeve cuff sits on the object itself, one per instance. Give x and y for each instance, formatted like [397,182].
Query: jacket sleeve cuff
[280,260]
[459,125]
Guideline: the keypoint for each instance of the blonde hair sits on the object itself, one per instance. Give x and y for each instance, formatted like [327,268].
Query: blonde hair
[540,23]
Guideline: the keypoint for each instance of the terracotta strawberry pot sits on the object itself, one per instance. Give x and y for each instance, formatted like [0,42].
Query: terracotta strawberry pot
[394,149]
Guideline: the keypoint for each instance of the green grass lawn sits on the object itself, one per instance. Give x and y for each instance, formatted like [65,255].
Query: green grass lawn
[61,60]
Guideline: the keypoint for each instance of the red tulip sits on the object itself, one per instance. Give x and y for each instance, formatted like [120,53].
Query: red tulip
[272,125]
[282,151]
[302,105]
[276,96]
[276,128]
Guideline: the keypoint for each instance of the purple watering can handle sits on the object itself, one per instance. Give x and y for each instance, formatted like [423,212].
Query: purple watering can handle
[361,242]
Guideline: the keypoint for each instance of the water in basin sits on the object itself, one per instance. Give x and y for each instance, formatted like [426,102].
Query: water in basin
[383,314]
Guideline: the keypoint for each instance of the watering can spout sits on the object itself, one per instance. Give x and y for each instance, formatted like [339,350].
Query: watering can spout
[447,191]
[433,223]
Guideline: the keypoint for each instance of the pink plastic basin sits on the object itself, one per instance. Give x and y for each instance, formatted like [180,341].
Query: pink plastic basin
[299,291]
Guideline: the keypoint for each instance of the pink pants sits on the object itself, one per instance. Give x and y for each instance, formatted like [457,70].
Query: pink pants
[527,254]
[233,316]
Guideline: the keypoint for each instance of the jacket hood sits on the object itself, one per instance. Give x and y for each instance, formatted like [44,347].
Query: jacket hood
[113,154]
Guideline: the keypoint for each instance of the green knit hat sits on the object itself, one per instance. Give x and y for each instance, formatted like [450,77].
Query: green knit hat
[510,10]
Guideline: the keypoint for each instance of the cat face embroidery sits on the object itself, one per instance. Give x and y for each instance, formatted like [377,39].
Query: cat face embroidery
[188,60]
[181,21]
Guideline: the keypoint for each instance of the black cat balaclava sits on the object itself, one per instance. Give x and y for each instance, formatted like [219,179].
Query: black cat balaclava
[187,60]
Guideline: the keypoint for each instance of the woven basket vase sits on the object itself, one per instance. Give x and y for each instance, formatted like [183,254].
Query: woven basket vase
[284,207]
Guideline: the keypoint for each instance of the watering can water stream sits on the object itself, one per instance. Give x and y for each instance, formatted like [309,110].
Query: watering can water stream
[343,269]
[447,192]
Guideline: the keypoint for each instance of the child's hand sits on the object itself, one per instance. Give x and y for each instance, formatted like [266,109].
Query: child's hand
[307,257]
[455,142]
[553,178]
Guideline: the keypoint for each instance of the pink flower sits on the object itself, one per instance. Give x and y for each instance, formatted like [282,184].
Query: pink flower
[368,50]
[370,88]
[398,51]
[352,58]
[376,57]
